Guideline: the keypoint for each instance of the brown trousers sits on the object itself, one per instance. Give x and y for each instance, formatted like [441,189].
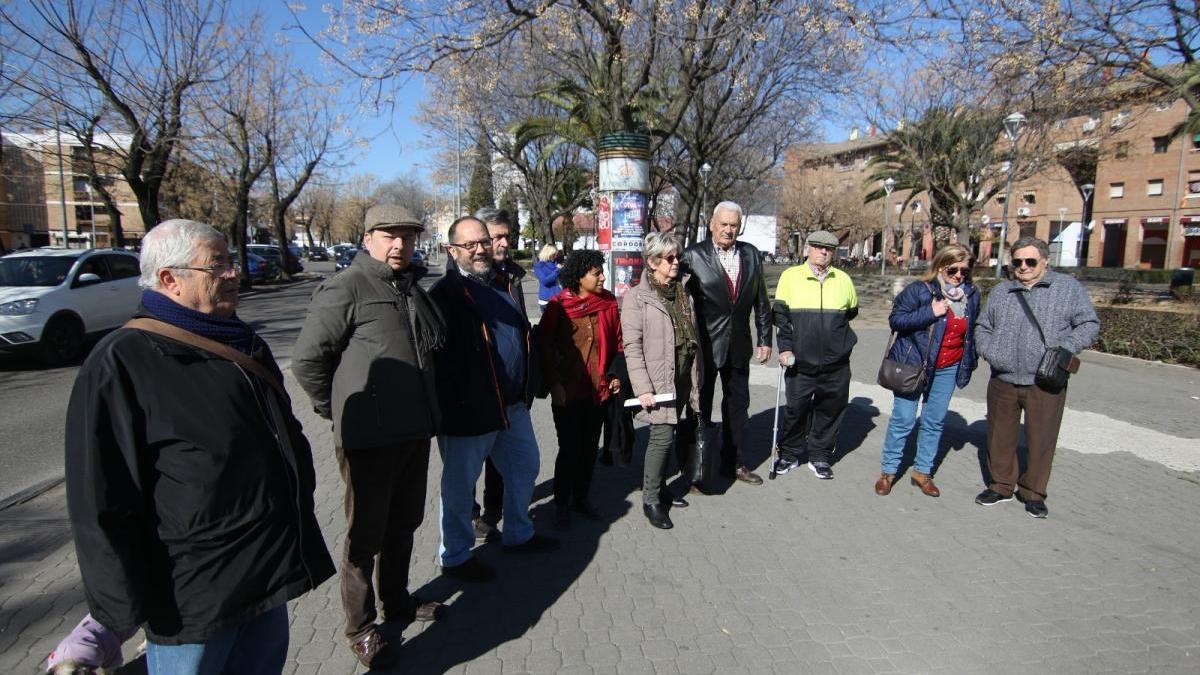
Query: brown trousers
[385,504]
[1043,417]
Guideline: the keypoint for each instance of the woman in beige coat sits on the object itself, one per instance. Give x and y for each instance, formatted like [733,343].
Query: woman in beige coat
[658,322]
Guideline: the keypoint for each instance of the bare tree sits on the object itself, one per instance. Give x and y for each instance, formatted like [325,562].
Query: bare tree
[144,64]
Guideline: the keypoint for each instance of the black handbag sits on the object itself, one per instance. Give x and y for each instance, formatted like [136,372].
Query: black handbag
[700,458]
[900,376]
[1057,363]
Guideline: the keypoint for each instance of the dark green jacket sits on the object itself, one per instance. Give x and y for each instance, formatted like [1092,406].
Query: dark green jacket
[358,359]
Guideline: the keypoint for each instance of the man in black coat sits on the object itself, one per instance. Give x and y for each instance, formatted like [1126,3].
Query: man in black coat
[727,283]
[189,481]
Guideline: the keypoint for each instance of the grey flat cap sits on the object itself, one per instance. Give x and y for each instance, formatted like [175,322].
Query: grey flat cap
[822,238]
[391,215]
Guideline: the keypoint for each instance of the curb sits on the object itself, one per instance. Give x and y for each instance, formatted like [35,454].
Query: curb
[32,492]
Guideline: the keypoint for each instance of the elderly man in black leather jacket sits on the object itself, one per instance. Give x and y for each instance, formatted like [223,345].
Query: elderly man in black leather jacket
[727,283]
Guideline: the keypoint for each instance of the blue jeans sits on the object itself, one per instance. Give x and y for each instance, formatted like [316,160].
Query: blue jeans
[257,647]
[933,417]
[514,451]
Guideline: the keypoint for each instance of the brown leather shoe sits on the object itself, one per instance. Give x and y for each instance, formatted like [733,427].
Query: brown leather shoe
[925,482]
[747,476]
[883,486]
[428,611]
[373,651]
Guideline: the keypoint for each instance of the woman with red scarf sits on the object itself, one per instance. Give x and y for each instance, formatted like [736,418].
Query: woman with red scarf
[579,342]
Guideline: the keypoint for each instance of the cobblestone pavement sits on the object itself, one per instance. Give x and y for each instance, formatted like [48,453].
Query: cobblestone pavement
[798,575]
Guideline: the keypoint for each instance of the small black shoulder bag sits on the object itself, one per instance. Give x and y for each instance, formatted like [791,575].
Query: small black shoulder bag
[1057,363]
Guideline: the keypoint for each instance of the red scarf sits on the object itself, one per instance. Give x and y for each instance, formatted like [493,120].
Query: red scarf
[608,324]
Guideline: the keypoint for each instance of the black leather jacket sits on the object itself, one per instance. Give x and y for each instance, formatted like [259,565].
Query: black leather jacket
[724,322]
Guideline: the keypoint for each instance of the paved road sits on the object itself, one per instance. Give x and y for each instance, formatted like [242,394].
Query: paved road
[799,575]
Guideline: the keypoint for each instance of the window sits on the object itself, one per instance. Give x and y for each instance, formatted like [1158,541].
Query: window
[1030,197]
[1122,150]
[93,265]
[1154,187]
[1160,144]
[1193,183]
[1116,190]
[1000,199]
[123,266]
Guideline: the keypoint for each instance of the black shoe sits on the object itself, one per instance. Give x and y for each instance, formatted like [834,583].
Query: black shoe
[484,531]
[1036,508]
[472,571]
[676,502]
[538,543]
[586,510]
[822,470]
[990,497]
[657,515]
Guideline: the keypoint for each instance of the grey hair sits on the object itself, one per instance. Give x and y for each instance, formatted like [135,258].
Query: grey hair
[658,244]
[728,206]
[172,243]
[491,215]
[1024,242]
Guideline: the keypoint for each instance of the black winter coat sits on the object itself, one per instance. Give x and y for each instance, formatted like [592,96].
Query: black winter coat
[190,490]
[468,364]
[724,322]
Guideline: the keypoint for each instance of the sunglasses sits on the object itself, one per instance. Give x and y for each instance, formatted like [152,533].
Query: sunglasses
[1026,262]
[670,258]
[955,271]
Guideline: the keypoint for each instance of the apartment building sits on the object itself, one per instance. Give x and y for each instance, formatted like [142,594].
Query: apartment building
[1144,211]
[44,202]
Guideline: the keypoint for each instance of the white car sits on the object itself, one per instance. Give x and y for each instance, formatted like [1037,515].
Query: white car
[51,299]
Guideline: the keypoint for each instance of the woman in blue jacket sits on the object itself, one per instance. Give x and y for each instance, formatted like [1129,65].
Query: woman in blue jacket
[934,323]
[546,269]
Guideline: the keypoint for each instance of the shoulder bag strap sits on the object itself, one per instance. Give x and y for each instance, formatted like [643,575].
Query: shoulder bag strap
[212,346]
[1032,318]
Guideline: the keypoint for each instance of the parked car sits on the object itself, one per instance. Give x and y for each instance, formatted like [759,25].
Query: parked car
[418,257]
[317,253]
[344,259]
[261,269]
[338,249]
[273,254]
[52,299]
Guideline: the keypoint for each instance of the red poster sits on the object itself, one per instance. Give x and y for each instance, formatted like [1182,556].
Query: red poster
[603,223]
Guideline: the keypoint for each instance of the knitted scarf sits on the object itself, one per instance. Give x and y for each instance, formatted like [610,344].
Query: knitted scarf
[608,326]
[232,331]
[675,300]
[957,296]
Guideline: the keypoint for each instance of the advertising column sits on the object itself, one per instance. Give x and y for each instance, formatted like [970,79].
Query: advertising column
[624,181]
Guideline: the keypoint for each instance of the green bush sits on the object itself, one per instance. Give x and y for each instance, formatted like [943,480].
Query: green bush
[1117,274]
[1172,337]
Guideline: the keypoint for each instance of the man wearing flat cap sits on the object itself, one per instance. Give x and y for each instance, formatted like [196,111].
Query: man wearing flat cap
[365,357]
[814,303]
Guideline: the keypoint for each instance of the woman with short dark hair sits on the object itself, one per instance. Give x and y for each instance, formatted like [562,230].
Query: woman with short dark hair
[579,341]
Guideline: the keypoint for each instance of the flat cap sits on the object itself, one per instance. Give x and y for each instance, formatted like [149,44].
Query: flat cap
[822,238]
[391,215]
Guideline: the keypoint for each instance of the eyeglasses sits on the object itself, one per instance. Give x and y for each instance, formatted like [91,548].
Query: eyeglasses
[669,258]
[472,245]
[1026,262]
[956,271]
[220,270]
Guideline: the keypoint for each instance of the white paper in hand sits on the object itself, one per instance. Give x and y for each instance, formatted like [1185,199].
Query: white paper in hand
[658,398]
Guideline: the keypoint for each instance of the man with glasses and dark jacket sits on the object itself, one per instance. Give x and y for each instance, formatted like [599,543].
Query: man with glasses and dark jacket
[484,390]
[1009,341]
[365,358]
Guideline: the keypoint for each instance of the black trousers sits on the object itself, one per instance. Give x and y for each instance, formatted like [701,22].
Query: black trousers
[578,427]
[735,408]
[816,403]
[493,494]
[384,504]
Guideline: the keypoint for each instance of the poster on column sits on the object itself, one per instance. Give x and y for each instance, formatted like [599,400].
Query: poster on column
[627,271]
[604,223]
[628,224]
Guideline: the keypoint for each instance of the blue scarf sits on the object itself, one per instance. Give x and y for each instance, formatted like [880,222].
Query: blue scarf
[232,331]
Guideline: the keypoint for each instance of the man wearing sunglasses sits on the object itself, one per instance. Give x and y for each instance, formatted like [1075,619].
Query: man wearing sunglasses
[1010,343]
[484,391]
[365,358]
[726,284]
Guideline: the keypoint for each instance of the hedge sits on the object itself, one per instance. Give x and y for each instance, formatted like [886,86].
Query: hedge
[1172,337]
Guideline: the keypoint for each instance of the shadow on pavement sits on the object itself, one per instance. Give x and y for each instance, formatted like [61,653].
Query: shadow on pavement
[484,616]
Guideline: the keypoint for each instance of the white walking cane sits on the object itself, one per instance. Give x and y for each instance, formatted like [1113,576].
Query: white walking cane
[775,430]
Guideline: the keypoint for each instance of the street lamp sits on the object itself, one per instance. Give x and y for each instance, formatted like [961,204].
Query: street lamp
[889,184]
[1086,189]
[1012,128]
[704,169]
[91,211]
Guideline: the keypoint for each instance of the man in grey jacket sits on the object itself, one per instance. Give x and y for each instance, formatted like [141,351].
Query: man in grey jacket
[365,358]
[1009,342]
